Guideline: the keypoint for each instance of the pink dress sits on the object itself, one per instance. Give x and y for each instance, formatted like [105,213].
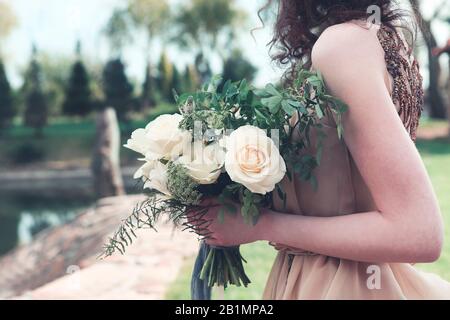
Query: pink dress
[341,191]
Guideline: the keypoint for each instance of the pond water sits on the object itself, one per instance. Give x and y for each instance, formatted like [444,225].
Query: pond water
[23,215]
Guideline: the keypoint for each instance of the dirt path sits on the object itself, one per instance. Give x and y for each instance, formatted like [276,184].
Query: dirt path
[63,264]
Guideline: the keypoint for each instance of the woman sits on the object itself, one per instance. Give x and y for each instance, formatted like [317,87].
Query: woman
[374,213]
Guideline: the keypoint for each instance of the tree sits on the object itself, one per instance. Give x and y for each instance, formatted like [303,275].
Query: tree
[148,89]
[7,21]
[78,100]
[191,79]
[152,16]
[165,77]
[7,110]
[177,83]
[236,68]
[55,72]
[207,26]
[437,104]
[117,88]
[36,108]
[117,31]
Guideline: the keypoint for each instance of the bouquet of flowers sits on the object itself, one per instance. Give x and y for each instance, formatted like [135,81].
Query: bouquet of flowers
[232,142]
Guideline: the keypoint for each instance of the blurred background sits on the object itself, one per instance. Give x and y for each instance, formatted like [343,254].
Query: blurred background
[77,76]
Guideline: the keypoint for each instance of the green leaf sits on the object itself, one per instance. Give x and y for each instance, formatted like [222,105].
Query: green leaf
[319,111]
[230,208]
[261,93]
[294,103]
[339,106]
[226,86]
[340,130]
[221,215]
[260,116]
[253,211]
[243,90]
[270,88]
[273,103]
[288,108]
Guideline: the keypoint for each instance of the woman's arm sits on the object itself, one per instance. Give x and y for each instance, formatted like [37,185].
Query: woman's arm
[407,226]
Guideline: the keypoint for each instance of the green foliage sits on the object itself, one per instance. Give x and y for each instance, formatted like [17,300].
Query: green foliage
[26,153]
[117,88]
[78,101]
[236,67]
[191,80]
[148,89]
[308,100]
[118,30]
[153,15]
[181,185]
[203,67]
[177,81]
[7,108]
[202,22]
[165,77]
[36,112]
[8,20]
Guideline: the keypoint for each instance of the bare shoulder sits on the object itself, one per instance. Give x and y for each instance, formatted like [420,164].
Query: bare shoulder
[347,42]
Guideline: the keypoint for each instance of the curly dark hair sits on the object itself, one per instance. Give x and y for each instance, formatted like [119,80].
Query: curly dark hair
[299,24]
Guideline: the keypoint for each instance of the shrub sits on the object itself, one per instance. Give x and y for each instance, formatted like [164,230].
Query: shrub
[27,153]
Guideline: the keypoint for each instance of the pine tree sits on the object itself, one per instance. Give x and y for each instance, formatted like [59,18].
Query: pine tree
[36,108]
[236,68]
[165,78]
[7,110]
[191,79]
[176,81]
[78,98]
[148,88]
[203,68]
[117,88]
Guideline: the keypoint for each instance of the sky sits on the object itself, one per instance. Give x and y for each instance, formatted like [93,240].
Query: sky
[55,25]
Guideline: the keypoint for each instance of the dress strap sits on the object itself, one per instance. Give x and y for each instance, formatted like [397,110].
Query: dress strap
[407,92]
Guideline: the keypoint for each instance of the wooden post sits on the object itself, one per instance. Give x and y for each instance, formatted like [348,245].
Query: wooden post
[106,161]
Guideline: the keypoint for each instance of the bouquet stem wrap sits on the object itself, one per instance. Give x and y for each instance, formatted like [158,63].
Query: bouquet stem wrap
[199,288]
[217,266]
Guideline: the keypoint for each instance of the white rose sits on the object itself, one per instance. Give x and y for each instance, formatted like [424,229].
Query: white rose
[161,139]
[154,175]
[204,163]
[253,160]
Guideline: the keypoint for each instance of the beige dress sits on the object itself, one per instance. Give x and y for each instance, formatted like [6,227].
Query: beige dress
[341,190]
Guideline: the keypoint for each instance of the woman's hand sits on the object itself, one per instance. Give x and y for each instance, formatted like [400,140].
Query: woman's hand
[232,231]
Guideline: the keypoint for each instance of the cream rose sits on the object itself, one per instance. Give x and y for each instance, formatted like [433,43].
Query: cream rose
[204,163]
[154,175]
[161,139]
[253,160]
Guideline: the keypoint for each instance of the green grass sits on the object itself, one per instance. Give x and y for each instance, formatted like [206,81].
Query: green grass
[68,139]
[260,257]
[436,155]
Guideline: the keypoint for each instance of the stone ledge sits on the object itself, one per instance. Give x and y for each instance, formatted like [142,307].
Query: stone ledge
[62,263]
